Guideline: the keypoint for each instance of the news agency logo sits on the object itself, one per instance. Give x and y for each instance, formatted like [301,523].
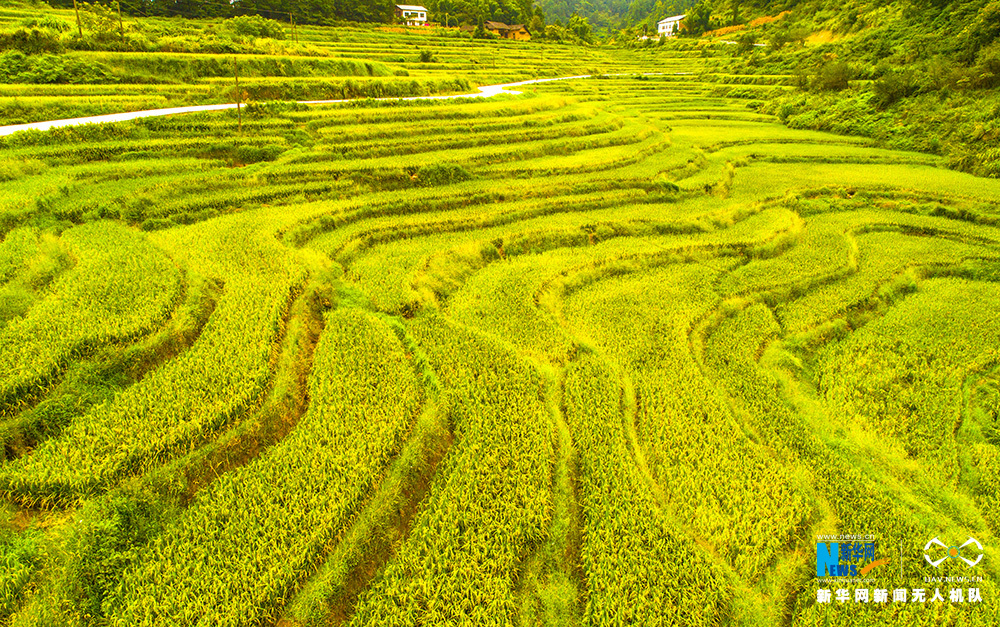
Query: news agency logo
[846,559]
[951,552]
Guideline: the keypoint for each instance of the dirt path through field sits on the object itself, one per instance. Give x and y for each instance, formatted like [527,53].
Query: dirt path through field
[487,91]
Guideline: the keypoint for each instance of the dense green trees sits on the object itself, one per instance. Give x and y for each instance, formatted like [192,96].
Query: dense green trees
[322,11]
[698,20]
[646,13]
[470,11]
[606,15]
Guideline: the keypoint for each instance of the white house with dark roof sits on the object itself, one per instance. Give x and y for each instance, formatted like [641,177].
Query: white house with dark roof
[669,26]
[412,15]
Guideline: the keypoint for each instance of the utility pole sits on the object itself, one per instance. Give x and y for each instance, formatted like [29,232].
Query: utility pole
[294,32]
[78,26]
[121,26]
[239,114]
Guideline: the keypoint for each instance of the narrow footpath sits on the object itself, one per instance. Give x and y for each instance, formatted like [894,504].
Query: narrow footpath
[487,91]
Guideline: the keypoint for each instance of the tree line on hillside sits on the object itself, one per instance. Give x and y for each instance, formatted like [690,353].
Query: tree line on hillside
[608,16]
[330,11]
[550,19]
[258,13]
[457,12]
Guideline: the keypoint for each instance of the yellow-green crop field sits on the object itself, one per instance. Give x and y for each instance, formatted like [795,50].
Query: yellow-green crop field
[615,351]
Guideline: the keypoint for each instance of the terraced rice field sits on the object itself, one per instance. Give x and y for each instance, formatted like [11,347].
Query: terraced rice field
[320,64]
[613,352]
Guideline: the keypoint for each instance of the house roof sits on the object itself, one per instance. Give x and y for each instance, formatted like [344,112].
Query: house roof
[410,7]
[502,26]
[676,18]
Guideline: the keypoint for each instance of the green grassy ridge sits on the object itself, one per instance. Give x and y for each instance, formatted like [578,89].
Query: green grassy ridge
[375,136]
[375,533]
[834,459]
[108,370]
[495,314]
[673,426]
[44,108]
[475,156]
[443,557]
[504,211]
[105,540]
[29,262]
[337,117]
[178,147]
[183,68]
[653,550]
[77,89]
[31,478]
[84,307]
[222,510]
[463,212]
[448,140]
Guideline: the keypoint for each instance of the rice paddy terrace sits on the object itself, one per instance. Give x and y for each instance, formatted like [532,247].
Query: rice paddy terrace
[320,64]
[613,352]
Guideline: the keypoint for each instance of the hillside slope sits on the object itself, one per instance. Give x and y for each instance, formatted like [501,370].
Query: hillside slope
[915,75]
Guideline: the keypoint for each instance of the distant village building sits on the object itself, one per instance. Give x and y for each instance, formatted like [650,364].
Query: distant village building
[669,27]
[516,32]
[411,14]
